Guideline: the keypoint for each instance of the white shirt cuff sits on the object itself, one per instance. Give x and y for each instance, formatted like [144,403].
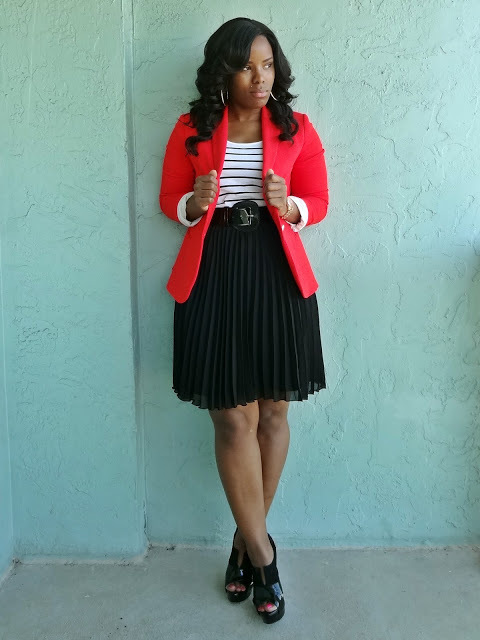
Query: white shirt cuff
[303,209]
[182,211]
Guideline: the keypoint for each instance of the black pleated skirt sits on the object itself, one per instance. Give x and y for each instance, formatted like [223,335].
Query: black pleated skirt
[246,332]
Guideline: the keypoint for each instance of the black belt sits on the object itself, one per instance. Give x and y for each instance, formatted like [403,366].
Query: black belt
[243,215]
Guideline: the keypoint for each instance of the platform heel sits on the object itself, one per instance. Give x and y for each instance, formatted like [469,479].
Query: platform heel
[242,574]
[270,590]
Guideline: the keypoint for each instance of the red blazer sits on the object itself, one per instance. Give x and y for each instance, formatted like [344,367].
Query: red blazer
[302,164]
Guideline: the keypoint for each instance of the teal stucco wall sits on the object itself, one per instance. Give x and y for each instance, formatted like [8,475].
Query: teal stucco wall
[6,522]
[76,467]
[389,453]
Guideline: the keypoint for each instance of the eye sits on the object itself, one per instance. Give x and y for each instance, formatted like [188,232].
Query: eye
[269,64]
[246,67]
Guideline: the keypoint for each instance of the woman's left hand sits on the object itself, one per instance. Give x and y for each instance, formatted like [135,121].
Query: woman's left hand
[275,189]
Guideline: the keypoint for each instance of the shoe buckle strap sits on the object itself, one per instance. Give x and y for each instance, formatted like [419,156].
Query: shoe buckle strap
[268,593]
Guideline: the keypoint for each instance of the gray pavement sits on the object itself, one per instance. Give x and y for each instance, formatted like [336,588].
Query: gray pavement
[367,594]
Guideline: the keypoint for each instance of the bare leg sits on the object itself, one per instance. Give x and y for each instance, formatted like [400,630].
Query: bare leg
[251,445]
[273,436]
[239,463]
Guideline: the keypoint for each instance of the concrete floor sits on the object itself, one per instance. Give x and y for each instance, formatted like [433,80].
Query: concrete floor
[407,594]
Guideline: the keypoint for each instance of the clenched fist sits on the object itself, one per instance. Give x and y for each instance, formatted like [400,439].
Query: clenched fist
[205,189]
[204,192]
[275,190]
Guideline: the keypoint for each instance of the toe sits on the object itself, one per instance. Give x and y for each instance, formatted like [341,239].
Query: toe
[235,586]
[267,607]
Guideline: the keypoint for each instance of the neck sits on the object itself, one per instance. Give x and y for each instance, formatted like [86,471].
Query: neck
[238,114]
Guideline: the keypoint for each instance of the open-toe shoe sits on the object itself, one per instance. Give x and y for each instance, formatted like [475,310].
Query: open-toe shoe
[269,591]
[242,574]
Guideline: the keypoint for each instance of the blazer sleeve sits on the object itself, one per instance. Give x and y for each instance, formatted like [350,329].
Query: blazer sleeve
[309,175]
[178,174]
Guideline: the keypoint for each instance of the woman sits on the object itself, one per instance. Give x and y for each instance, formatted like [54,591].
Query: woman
[245,174]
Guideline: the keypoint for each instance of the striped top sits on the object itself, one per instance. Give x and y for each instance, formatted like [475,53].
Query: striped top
[241,177]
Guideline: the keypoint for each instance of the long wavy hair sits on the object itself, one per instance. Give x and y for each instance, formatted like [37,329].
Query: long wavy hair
[227,51]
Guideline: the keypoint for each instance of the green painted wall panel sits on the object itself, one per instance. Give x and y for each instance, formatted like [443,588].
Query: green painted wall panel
[6,521]
[66,247]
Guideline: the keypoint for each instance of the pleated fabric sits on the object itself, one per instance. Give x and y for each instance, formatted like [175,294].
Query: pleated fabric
[246,332]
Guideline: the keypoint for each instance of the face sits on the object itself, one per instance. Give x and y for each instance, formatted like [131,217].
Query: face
[250,88]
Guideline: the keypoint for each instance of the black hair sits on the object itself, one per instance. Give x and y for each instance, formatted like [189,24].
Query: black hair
[227,51]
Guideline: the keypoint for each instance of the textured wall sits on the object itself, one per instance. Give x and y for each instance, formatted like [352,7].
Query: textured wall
[389,453]
[76,487]
[6,524]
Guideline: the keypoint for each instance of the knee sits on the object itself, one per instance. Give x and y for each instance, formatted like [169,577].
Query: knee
[232,426]
[273,418]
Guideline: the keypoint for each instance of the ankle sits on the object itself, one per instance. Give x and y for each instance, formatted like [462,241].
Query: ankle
[239,543]
[261,553]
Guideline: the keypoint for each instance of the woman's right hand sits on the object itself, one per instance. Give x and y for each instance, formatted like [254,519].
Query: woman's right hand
[204,192]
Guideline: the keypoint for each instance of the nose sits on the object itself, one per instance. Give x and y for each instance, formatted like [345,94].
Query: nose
[258,76]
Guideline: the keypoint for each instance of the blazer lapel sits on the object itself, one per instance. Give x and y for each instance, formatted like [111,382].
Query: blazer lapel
[270,133]
[215,159]
[219,143]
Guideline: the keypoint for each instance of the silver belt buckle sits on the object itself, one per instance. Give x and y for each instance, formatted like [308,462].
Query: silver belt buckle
[245,215]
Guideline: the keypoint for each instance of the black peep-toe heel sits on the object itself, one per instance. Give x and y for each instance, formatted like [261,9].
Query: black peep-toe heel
[269,591]
[242,574]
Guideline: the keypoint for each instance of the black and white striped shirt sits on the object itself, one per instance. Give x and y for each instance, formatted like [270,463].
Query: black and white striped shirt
[241,177]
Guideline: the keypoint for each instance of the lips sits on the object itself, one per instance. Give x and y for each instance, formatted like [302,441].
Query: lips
[259,94]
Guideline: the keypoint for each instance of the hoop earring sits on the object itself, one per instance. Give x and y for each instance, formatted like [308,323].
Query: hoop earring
[276,100]
[221,96]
